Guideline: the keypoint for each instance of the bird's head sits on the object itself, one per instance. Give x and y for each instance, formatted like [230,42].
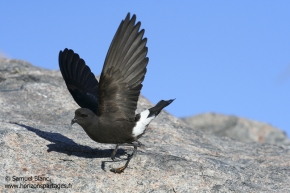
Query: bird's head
[84,117]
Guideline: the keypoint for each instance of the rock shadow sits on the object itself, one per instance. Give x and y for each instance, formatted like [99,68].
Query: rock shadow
[62,144]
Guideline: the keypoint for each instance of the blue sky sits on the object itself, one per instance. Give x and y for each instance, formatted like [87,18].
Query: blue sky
[229,57]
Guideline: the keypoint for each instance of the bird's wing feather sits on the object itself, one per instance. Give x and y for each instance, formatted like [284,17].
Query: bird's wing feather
[79,79]
[123,72]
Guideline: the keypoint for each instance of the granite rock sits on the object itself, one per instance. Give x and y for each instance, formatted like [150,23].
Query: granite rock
[38,148]
[237,128]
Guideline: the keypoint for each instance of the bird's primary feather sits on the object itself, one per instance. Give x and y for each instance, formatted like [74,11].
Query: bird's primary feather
[124,69]
[79,79]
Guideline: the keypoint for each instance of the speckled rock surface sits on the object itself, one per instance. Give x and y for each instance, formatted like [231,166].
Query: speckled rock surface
[237,128]
[38,148]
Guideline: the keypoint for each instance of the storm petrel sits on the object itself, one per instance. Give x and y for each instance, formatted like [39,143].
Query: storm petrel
[107,112]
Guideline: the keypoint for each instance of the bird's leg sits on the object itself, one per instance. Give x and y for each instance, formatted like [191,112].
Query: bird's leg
[139,144]
[121,169]
[114,152]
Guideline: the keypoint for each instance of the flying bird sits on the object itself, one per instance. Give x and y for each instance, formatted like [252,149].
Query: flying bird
[107,112]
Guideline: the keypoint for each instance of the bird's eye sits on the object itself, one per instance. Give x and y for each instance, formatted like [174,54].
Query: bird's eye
[84,115]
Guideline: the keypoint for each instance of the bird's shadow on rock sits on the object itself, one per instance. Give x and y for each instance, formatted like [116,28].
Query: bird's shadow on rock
[62,144]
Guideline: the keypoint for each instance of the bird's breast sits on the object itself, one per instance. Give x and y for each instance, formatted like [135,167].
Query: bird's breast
[112,132]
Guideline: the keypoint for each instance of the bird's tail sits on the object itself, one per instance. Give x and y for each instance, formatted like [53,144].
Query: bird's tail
[159,106]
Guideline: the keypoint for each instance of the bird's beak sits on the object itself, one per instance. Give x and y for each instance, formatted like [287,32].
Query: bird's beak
[73,121]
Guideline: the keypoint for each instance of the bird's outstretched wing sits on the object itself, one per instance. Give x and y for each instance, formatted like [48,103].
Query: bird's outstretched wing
[123,71]
[79,79]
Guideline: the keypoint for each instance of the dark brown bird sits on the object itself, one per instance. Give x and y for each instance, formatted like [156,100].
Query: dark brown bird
[107,112]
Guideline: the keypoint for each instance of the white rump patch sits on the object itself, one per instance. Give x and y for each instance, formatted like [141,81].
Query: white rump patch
[142,123]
